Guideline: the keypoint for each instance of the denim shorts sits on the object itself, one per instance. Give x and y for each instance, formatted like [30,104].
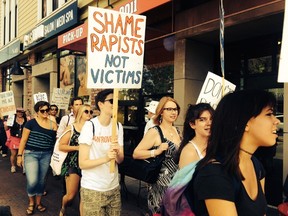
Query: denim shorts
[36,164]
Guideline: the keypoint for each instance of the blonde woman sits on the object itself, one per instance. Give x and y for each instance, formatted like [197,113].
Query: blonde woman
[70,167]
[167,112]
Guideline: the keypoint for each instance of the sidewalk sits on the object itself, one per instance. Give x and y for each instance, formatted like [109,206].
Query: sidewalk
[13,194]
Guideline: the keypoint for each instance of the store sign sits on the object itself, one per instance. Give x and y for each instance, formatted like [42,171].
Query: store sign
[10,51]
[115,49]
[64,19]
[72,36]
[138,6]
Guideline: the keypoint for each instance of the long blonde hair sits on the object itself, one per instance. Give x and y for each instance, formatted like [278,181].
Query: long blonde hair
[81,110]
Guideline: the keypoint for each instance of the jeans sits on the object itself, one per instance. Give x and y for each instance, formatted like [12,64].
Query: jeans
[36,164]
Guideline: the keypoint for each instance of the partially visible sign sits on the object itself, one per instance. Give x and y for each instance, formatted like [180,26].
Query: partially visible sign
[283,61]
[138,6]
[213,89]
[61,97]
[72,36]
[41,96]
[10,120]
[10,51]
[7,103]
[62,20]
[115,49]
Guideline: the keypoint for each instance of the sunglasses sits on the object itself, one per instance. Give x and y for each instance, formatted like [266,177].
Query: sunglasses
[53,109]
[88,111]
[110,100]
[44,110]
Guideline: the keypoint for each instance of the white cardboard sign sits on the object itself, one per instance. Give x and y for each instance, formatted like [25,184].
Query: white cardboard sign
[61,97]
[115,49]
[213,89]
[7,103]
[41,96]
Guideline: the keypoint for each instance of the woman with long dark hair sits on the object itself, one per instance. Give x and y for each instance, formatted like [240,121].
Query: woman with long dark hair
[229,180]
[196,131]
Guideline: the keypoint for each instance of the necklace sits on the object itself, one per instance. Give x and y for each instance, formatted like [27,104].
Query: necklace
[246,151]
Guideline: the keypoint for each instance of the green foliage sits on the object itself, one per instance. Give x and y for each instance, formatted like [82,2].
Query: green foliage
[158,80]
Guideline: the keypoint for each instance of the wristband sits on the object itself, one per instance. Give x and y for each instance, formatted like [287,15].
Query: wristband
[19,155]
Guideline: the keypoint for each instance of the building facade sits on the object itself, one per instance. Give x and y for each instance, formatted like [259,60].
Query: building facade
[182,45]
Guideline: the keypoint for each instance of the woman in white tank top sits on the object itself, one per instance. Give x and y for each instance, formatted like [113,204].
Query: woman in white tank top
[196,132]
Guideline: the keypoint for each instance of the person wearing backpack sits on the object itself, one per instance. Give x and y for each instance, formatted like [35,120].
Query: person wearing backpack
[100,189]
[229,180]
[70,118]
[196,131]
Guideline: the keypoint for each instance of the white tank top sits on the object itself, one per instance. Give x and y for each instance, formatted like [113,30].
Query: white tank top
[197,150]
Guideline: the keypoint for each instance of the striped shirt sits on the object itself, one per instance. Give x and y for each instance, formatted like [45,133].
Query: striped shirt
[40,139]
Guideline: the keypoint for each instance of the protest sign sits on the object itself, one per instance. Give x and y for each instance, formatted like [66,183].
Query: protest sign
[10,120]
[7,103]
[115,49]
[283,61]
[41,96]
[213,89]
[61,97]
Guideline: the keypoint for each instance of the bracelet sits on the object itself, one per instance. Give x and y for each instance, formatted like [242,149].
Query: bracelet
[19,155]
[152,153]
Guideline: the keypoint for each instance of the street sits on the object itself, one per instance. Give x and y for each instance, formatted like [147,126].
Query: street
[13,194]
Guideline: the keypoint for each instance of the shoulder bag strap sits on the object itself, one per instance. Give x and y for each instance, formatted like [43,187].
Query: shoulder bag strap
[160,133]
[93,130]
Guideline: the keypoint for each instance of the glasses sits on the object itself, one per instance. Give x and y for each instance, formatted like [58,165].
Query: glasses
[88,111]
[53,109]
[110,100]
[44,110]
[170,109]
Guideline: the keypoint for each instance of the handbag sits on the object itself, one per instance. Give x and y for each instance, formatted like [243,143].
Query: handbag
[148,170]
[58,157]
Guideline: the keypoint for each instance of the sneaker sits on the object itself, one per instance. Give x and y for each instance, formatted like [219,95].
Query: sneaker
[4,155]
[13,169]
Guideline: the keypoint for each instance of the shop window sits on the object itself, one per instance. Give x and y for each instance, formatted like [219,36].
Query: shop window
[81,89]
[47,6]
[67,73]
[260,65]
[9,20]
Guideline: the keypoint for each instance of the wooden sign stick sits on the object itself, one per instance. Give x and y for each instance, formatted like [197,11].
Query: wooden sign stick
[114,125]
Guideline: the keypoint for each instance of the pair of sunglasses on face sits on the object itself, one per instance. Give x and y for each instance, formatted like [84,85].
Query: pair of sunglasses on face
[44,110]
[88,111]
[53,109]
